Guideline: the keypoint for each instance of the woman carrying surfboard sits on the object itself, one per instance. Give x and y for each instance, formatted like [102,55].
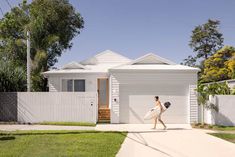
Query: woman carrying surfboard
[156,112]
[161,108]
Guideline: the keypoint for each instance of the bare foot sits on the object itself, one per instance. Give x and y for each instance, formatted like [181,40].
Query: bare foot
[165,128]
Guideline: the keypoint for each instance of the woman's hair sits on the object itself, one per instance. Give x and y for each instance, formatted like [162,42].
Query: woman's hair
[156,97]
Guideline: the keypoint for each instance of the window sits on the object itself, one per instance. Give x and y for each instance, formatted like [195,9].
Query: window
[69,85]
[79,85]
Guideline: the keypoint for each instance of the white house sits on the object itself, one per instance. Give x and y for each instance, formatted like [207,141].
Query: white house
[126,88]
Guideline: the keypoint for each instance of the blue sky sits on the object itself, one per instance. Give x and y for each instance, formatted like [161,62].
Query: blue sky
[136,27]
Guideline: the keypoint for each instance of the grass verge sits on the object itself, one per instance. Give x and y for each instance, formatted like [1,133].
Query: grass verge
[214,127]
[60,143]
[225,136]
[68,123]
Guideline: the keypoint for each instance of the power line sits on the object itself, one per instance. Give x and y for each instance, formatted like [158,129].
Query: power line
[1,11]
[8,4]
[1,6]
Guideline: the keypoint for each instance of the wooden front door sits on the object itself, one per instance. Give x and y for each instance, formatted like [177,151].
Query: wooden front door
[103,92]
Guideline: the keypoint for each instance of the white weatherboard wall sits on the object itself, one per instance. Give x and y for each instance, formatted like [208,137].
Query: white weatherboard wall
[231,84]
[226,111]
[54,81]
[193,104]
[57,106]
[136,93]
[114,100]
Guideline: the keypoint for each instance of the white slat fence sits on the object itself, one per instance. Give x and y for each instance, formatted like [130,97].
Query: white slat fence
[57,106]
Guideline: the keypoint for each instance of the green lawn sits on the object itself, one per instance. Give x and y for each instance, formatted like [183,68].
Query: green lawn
[225,136]
[224,128]
[68,123]
[223,132]
[60,143]
[214,127]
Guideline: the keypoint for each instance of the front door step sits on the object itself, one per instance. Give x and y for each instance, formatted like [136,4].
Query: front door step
[104,115]
[103,121]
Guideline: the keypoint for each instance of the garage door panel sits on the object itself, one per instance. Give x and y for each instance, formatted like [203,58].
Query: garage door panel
[156,89]
[136,100]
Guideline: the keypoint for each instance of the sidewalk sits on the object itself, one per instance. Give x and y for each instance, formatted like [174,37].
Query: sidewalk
[98,127]
[4,127]
[141,127]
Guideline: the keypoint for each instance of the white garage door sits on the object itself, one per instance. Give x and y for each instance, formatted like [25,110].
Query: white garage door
[137,99]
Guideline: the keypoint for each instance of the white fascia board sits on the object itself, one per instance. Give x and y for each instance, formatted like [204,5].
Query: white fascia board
[47,75]
[153,70]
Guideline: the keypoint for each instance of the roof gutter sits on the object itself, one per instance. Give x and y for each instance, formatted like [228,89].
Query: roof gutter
[154,70]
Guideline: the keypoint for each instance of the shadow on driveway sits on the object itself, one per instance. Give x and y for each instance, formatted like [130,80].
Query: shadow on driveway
[156,131]
[142,141]
[138,138]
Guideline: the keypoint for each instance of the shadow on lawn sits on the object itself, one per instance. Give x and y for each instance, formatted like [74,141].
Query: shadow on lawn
[53,132]
[5,138]
[64,132]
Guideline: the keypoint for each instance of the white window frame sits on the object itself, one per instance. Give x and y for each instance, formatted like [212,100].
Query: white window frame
[61,84]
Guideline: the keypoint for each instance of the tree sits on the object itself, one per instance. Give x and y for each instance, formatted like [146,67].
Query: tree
[12,78]
[220,66]
[204,92]
[190,61]
[206,39]
[12,37]
[52,25]
[203,97]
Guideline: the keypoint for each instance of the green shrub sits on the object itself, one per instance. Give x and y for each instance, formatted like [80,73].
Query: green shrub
[233,91]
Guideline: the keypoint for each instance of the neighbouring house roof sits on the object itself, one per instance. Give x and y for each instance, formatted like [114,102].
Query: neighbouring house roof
[110,61]
[230,82]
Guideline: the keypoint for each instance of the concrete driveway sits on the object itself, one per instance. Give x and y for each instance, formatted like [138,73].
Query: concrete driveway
[174,142]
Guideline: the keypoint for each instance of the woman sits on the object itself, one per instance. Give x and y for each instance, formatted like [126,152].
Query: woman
[161,108]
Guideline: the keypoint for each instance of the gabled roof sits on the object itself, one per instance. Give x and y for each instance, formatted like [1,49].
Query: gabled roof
[106,57]
[74,65]
[100,63]
[152,61]
[151,58]
[109,61]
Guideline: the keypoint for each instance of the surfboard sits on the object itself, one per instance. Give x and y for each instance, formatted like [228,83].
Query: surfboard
[152,113]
